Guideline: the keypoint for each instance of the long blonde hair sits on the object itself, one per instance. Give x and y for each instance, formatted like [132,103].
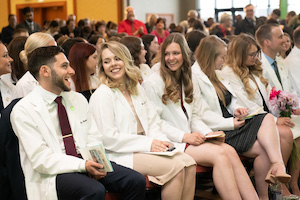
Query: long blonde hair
[33,42]
[206,54]
[172,87]
[132,73]
[237,55]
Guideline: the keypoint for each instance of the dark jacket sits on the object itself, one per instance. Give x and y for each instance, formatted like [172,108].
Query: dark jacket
[12,183]
[245,26]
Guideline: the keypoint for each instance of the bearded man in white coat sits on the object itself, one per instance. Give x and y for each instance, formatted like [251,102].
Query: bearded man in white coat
[53,171]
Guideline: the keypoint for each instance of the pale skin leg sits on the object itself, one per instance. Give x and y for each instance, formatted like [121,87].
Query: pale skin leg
[182,186]
[286,145]
[295,174]
[261,166]
[242,178]
[213,155]
[266,148]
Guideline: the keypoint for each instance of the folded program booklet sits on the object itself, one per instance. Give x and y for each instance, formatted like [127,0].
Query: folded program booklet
[255,112]
[97,154]
[215,135]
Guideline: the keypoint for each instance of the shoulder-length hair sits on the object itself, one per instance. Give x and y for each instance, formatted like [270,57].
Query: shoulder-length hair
[206,54]
[147,39]
[134,46]
[18,69]
[172,86]
[78,57]
[132,73]
[238,51]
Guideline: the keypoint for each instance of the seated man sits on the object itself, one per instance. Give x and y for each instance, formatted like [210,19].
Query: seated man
[52,123]
[132,26]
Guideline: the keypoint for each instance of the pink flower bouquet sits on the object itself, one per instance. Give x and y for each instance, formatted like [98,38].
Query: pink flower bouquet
[282,103]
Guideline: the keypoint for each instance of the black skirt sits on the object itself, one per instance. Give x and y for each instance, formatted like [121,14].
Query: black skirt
[242,139]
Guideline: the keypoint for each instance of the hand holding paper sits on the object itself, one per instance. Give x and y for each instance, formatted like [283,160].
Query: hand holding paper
[255,112]
[99,158]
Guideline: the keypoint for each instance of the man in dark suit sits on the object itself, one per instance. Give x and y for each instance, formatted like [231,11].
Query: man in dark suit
[28,23]
[250,24]
[12,184]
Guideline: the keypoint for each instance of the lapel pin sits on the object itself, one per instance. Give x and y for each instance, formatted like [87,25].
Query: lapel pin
[72,108]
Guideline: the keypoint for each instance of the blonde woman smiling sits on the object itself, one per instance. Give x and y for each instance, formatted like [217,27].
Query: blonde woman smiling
[131,126]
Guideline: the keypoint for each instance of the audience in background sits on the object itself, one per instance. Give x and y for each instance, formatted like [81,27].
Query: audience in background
[130,25]
[8,31]
[138,52]
[30,25]
[160,32]
[151,46]
[250,23]
[223,29]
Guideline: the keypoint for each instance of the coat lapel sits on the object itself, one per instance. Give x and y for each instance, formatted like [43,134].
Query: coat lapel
[42,111]
[270,73]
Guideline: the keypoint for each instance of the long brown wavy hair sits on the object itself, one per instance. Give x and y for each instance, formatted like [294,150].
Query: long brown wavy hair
[206,54]
[237,55]
[173,86]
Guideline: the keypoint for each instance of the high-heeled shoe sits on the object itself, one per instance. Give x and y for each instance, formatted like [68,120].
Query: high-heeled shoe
[280,176]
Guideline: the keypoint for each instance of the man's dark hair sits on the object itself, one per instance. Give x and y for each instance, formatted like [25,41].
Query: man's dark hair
[68,44]
[27,9]
[277,12]
[54,24]
[10,15]
[42,56]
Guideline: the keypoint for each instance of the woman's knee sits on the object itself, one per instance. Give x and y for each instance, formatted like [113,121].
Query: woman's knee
[269,118]
[286,134]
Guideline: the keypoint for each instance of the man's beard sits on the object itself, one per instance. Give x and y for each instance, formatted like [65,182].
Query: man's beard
[58,82]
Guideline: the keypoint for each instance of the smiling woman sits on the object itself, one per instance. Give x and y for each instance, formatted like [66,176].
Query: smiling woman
[131,127]
[7,89]
[5,60]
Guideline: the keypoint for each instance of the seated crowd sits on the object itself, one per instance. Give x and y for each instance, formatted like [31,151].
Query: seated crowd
[142,90]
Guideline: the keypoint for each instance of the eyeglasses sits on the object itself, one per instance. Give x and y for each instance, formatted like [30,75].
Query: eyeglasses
[254,54]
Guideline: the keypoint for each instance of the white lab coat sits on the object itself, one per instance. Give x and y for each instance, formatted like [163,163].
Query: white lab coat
[176,123]
[270,74]
[292,62]
[26,84]
[8,90]
[210,96]
[145,71]
[237,85]
[116,120]
[42,157]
